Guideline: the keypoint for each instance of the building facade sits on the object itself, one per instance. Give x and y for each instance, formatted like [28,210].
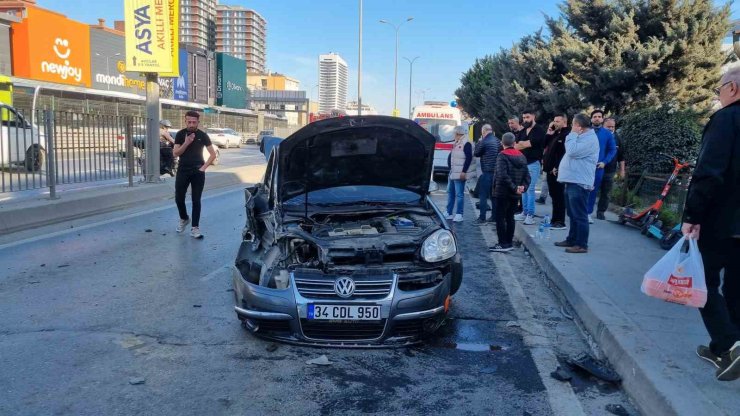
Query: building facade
[352,109]
[333,83]
[291,105]
[272,81]
[198,23]
[242,33]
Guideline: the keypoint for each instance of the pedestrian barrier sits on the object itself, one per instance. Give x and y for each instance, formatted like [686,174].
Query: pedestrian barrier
[45,148]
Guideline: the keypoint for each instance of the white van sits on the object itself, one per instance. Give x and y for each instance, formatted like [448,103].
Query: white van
[21,144]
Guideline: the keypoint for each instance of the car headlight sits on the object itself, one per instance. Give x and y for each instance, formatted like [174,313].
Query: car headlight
[439,246]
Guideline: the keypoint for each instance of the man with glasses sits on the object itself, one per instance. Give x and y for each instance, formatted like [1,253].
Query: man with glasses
[712,212]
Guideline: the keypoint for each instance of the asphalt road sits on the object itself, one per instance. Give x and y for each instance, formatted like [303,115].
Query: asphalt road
[125,316]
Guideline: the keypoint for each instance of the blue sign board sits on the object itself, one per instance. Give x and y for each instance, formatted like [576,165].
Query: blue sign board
[181,82]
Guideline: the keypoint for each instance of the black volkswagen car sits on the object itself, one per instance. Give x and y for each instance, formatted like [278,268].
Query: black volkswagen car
[343,245]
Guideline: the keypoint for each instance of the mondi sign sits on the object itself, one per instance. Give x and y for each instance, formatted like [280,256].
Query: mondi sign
[231,78]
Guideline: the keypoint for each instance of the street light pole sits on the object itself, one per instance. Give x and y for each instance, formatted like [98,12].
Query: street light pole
[107,65]
[359,68]
[411,77]
[395,70]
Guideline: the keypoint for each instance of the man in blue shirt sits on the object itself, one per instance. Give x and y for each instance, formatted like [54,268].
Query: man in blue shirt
[607,152]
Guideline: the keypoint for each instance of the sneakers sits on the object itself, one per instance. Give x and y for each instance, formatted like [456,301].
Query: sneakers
[600,216]
[458,218]
[590,220]
[195,233]
[449,216]
[498,248]
[528,220]
[729,364]
[558,226]
[706,354]
[540,201]
[564,243]
[181,226]
[480,222]
[576,250]
[519,217]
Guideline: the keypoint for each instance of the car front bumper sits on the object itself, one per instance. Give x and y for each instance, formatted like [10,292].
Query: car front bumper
[281,314]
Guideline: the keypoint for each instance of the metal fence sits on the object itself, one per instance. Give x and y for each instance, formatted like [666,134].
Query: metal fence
[47,148]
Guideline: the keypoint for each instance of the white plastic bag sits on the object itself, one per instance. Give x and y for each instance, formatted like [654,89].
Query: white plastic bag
[678,277]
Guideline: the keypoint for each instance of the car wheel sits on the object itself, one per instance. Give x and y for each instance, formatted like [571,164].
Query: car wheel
[35,158]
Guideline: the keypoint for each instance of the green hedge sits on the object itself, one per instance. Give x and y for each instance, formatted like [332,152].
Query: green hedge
[648,132]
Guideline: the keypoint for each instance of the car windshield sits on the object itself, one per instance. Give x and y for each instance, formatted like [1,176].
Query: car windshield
[351,195]
[442,130]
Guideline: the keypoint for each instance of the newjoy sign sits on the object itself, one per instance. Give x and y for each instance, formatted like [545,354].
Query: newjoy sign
[149,45]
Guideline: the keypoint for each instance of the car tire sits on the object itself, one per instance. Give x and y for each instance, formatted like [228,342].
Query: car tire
[35,158]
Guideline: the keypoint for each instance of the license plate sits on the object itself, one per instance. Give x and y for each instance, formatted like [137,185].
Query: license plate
[344,312]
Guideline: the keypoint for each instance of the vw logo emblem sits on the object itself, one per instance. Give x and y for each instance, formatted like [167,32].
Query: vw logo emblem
[344,287]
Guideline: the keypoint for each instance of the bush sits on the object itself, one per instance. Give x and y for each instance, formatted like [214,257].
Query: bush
[669,218]
[648,132]
[624,197]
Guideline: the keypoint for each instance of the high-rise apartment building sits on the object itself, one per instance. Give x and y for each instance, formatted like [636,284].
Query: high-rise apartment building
[333,83]
[198,23]
[242,33]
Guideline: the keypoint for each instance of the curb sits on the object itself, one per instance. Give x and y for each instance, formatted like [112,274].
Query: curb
[41,212]
[622,345]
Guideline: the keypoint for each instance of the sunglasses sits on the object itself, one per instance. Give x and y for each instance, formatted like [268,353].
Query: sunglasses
[718,89]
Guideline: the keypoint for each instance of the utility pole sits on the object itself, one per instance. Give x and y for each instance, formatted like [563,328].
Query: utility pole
[411,77]
[396,112]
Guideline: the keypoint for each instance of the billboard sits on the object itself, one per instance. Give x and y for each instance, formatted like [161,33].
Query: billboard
[181,82]
[49,47]
[149,45]
[231,81]
[174,6]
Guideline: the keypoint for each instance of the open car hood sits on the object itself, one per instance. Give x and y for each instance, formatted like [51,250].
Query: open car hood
[356,150]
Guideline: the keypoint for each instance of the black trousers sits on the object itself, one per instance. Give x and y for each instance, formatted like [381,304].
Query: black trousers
[721,314]
[505,219]
[193,177]
[607,183]
[557,194]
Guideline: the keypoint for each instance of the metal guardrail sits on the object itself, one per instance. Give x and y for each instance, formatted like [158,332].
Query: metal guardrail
[46,148]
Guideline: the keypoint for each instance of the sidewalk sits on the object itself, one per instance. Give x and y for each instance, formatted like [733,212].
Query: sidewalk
[649,342]
[26,212]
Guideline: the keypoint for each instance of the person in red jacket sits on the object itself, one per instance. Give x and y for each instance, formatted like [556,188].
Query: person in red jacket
[511,180]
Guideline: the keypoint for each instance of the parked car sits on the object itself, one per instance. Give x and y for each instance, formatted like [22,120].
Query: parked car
[21,143]
[250,138]
[263,134]
[343,245]
[224,138]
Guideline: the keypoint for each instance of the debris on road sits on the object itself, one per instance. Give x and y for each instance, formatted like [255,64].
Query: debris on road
[594,367]
[134,381]
[561,374]
[197,306]
[617,409]
[565,314]
[323,360]
[272,348]
[148,230]
[63,265]
[513,324]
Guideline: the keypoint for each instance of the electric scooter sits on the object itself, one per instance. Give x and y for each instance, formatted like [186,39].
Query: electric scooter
[645,219]
[667,239]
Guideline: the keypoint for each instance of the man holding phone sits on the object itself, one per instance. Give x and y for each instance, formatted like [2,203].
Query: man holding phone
[189,144]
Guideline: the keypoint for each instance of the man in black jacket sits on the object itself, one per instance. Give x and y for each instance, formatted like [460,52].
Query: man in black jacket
[712,212]
[487,150]
[511,180]
[554,152]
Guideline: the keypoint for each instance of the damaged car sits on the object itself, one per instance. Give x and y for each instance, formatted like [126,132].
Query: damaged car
[343,245]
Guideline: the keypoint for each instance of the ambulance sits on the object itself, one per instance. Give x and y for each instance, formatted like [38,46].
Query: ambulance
[439,119]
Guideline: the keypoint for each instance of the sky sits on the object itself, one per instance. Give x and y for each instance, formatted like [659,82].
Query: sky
[447,36]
